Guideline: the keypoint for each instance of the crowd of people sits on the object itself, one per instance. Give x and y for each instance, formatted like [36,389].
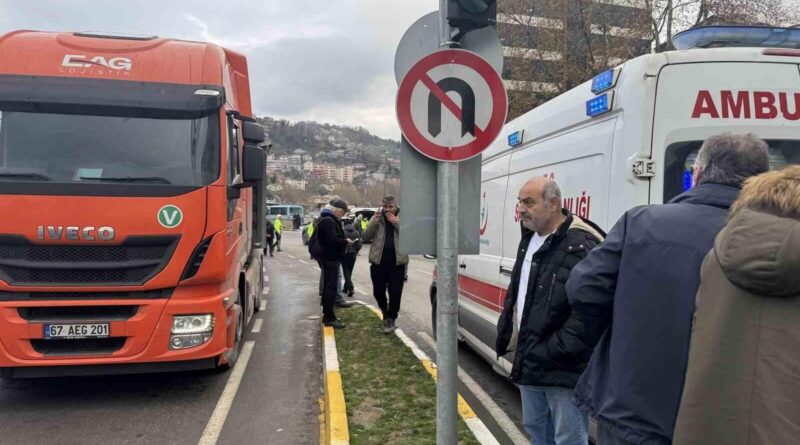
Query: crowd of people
[681,325]
[335,241]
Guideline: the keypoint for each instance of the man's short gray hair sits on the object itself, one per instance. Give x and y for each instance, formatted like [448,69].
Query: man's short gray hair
[729,159]
[551,191]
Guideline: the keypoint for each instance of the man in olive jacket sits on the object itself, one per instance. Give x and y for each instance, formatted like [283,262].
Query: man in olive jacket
[387,265]
[553,242]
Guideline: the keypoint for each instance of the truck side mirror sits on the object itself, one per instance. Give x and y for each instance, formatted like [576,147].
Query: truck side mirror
[253,132]
[253,163]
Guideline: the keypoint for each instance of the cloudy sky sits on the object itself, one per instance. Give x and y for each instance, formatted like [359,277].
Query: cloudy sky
[325,60]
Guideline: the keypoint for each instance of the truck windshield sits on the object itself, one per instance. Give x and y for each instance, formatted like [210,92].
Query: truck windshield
[108,149]
[680,158]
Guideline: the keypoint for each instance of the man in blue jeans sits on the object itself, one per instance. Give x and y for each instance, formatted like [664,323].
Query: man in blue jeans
[553,242]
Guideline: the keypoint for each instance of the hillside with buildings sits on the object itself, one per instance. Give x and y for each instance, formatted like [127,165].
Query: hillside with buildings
[310,161]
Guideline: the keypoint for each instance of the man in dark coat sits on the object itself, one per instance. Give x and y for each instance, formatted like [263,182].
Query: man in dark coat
[329,248]
[635,296]
[270,236]
[553,242]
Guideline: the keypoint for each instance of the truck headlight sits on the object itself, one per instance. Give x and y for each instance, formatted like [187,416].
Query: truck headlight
[189,331]
[192,324]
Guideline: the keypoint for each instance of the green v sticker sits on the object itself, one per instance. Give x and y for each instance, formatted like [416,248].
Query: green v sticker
[170,216]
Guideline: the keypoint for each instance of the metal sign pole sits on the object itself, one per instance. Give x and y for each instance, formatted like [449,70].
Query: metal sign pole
[447,284]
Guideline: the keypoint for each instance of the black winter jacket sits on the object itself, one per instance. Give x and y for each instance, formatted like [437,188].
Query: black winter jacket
[330,235]
[635,294]
[546,307]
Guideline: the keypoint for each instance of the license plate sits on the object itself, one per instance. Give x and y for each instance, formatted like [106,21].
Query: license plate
[84,330]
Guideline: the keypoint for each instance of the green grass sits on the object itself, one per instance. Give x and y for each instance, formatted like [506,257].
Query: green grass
[391,398]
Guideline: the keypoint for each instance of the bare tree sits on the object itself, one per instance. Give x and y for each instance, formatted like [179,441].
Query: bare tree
[553,45]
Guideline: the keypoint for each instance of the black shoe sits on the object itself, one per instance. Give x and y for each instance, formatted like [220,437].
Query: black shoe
[343,304]
[388,326]
[405,278]
[335,324]
[350,293]
[271,255]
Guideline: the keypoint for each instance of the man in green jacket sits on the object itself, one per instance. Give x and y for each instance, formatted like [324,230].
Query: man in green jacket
[387,265]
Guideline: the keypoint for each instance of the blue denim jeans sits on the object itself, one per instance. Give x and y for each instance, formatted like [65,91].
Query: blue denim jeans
[551,417]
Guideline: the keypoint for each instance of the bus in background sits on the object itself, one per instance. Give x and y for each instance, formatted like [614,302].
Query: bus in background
[135,170]
[287,212]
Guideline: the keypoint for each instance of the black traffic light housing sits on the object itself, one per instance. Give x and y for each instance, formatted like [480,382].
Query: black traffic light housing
[467,15]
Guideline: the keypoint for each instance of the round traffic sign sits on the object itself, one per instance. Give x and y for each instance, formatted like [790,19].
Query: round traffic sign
[451,105]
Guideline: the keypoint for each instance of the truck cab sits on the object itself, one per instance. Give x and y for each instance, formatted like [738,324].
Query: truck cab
[130,174]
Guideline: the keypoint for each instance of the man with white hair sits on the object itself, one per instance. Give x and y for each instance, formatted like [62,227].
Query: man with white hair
[634,297]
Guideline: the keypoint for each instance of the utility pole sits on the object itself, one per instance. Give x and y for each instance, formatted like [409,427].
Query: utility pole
[447,282]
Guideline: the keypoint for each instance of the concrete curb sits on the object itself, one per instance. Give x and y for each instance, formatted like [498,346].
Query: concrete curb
[474,423]
[336,430]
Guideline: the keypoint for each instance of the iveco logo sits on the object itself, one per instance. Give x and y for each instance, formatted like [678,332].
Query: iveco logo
[74,233]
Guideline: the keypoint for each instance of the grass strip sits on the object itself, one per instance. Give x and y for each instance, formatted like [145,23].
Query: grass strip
[391,398]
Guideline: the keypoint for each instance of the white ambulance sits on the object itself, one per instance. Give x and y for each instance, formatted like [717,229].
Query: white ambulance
[623,139]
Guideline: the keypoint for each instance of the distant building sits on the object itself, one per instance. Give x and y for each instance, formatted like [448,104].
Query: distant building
[535,34]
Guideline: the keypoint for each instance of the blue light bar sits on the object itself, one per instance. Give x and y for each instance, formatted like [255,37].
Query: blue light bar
[737,36]
[515,138]
[604,81]
[600,104]
[687,180]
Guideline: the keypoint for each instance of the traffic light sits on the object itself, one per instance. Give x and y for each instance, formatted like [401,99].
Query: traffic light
[467,15]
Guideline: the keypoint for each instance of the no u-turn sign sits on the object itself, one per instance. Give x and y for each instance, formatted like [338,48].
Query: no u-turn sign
[451,105]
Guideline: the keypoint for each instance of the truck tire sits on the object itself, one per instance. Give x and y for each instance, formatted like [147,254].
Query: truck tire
[238,335]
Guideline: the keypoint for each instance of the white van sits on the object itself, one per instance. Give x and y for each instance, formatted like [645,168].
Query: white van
[624,139]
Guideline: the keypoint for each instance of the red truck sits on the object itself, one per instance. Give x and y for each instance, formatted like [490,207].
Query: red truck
[131,204]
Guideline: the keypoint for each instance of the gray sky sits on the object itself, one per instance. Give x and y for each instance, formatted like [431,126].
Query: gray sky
[324,60]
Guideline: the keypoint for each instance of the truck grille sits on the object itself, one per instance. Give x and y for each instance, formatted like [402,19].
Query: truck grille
[133,262]
[72,314]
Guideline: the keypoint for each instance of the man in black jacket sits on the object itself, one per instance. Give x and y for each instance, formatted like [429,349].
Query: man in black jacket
[553,242]
[329,248]
[635,294]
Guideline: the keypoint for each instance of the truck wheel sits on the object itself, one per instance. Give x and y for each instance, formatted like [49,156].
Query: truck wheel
[259,292]
[238,334]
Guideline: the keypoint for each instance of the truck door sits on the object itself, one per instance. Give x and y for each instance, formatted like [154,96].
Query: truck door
[235,229]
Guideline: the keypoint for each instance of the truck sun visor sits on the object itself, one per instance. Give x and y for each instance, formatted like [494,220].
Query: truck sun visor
[107,97]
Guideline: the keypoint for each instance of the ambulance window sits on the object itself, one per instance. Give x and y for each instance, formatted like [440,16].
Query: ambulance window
[680,158]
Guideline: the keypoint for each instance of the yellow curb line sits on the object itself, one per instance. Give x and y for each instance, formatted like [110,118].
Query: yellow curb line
[475,424]
[336,430]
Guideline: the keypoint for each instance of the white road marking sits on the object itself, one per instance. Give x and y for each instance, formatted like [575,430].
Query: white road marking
[315,267]
[302,261]
[265,291]
[263,305]
[500,416]
[425,272]
[257,325]
[217,420]
[290,256]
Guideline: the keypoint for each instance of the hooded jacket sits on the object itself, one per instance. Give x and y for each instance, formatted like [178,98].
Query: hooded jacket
[743,377]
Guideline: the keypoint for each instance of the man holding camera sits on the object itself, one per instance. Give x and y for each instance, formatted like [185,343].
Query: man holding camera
[387,265]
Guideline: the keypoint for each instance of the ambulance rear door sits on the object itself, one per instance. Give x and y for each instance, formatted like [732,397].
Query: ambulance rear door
[697,100]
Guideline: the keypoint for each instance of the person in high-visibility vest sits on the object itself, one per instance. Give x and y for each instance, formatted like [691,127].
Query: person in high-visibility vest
[278,231]
[364,224]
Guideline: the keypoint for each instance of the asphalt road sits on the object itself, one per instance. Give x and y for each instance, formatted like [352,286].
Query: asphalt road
[277,400]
